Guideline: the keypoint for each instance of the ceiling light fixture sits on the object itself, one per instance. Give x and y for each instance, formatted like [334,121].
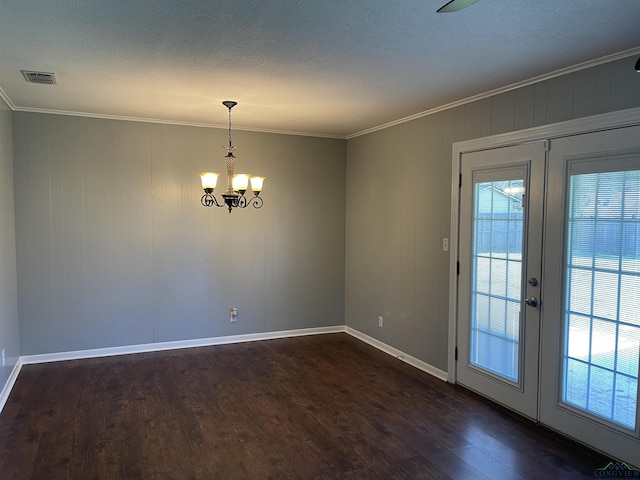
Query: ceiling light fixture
[237,184]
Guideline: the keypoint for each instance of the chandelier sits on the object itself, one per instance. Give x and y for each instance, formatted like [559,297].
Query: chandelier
[237,184]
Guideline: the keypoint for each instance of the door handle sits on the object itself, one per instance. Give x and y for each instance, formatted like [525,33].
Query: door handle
[531,302]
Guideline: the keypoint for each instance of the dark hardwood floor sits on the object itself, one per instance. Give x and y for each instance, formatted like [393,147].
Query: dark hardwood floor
[318,407]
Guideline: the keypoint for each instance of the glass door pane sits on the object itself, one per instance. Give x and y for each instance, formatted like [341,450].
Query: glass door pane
[602,324]
[497,277]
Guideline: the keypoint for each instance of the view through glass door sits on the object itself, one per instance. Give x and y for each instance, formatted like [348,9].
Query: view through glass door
[501,200]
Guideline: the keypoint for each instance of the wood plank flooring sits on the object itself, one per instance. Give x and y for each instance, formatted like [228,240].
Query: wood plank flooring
[317,407]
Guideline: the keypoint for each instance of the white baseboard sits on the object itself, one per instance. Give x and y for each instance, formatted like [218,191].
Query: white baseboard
[399,354]
[13,376]
[204,342]
[160,346]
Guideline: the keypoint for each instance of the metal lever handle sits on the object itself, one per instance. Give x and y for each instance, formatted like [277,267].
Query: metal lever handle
[531,302]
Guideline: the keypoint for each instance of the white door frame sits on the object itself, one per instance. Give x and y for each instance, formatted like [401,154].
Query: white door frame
[595,123]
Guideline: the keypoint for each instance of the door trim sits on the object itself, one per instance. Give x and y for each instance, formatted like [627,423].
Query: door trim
[594,123]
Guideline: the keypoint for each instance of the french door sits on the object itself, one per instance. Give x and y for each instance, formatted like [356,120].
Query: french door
[549,284]
[501,201]
[591,332]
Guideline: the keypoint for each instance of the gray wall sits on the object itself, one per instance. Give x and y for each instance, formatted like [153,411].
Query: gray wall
[399,200]
[115,249]
[9,331]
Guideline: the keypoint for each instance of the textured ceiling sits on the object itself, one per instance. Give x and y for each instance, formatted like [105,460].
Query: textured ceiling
[327,67]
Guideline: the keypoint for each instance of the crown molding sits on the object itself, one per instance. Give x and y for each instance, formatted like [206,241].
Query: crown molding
[7,100]
[165,122]
[547,76]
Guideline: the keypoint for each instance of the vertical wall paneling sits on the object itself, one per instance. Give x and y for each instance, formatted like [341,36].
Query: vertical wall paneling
[138,213]
[625,88]
[39,239]
[98,178]
[560,98]
[375,200]
[524,115]
[20,199]
[118,240]
[281,265]
[411,179]
[56,222]
[486,116]
[300,223]
[169,253]
[503,112]
[427,129]
[73,280]
[438,146]
[540,104]
[584,93]
[115,249]
[376,259]
[276,263]
[460,121]
[473,120]
[603,88]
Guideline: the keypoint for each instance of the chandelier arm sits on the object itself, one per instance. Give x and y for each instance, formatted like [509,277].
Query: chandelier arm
[231,202]
[209,200]
[255,202]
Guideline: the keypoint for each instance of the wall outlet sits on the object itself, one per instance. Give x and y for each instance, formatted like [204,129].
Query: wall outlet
[3,360]
[445,244]
[233,314]
[380,321]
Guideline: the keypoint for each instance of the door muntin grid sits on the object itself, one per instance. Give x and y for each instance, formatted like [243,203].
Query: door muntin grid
[601,347]
[495,334]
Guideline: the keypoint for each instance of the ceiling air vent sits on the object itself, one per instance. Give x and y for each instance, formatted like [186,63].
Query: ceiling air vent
[39,77]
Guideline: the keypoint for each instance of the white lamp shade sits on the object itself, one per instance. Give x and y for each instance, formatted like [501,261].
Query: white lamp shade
[256,184]
[240,181]
[209,179]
